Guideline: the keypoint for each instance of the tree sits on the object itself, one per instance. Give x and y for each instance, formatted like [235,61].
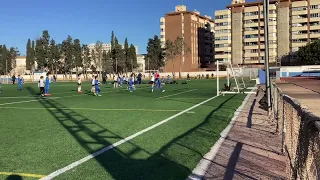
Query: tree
[67,52]
[86,58]
[93,57]
[54,56]
[127,54]
[4,60]
[119,55]
[132,57]
[182,50]
[155,54]
[171,53]
[32,56]
[13,53]
[309,54]
[42,50]
[109,63]
[28,55]
[98,56]
[175,49]
[77,54]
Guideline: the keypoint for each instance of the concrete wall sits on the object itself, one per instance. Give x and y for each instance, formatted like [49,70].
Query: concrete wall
[290,71]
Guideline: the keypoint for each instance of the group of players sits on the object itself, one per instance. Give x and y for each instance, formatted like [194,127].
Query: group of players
[44,84]
[118,82]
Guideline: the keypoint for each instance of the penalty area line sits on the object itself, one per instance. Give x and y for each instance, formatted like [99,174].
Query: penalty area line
[103,150]
[176,94]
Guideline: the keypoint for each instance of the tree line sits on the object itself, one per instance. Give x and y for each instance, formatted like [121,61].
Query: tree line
[158,56]
[7,59]
[71,55]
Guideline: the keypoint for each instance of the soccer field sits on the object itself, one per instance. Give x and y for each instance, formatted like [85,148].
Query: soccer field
[121,135]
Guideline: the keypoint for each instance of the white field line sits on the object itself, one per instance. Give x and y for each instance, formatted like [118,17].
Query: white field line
[87,158]
[201,169]
[97,109]
[176,94]
[39,99]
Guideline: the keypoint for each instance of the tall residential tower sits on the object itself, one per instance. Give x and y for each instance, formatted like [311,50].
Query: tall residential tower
[198,34]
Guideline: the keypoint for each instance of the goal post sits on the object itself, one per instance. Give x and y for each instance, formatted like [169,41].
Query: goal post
[233,74]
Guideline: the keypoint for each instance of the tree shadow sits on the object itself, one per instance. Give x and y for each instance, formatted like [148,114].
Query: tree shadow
[167,163]
[14,177]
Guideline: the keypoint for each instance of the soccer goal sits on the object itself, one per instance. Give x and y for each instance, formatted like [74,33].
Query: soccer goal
[235,83]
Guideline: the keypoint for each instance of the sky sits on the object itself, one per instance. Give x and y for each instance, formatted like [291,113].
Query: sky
[90,21]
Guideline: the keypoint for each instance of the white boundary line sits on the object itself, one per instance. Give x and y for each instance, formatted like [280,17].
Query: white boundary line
[201,168]
[87,158]
[38,99]
[176,94]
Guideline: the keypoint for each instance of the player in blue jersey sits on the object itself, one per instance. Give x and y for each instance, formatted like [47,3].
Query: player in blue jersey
[131,83]
[96,86]
[47,85]
[20,82]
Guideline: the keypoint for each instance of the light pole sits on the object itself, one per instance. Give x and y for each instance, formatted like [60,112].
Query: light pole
[266,52]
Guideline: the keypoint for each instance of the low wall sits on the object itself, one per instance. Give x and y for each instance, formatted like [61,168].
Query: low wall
[291,71]
[300,136]
[73,77]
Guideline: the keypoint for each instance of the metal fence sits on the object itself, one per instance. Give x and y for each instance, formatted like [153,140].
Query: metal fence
[300,136]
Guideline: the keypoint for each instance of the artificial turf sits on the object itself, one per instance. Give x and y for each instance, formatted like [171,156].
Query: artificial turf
[41,135]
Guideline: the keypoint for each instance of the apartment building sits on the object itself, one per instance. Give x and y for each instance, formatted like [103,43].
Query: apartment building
[198,34]
[240,30]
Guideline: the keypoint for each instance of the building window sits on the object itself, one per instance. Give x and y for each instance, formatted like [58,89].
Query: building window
[222,38]
[161,29]
[223,24]
[300,40]
[314,15]
[251,36]
[303,8]
[272,19]
[162,36]
[223,16]
[223,31]
[272,11]
[315,7]
[161,23]
[251,13]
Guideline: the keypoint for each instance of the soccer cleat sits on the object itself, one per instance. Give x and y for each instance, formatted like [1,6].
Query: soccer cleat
[163,90]
[152,90]
[99,95]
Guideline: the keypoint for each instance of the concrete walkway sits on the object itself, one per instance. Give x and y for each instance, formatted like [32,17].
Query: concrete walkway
[251,150]
[305,92]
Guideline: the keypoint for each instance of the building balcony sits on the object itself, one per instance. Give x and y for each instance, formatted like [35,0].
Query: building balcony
[314,26]
[222,49]
[300,28]
[250,17]
[216,28]
[299,36]
[250,47]
[300,20]
[251,54]
[246,32]
[251,25]
[299,12]
[315,35]
[298,44]
[250,39]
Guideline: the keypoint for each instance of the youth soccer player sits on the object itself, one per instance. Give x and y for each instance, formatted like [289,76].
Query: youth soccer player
[159,85]
[93,82]
[115,81]
[20,82]
[152,81]
[41,86]
[47,85]
[79,84]
[131,83]
[97,88]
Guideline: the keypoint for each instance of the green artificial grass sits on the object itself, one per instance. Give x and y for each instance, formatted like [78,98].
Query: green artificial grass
[46,134]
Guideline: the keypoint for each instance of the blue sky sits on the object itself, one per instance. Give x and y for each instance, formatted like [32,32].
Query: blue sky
[90,21]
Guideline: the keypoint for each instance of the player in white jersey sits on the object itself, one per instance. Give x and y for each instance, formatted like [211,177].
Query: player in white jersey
[93,82]
[79,84]
[152,81]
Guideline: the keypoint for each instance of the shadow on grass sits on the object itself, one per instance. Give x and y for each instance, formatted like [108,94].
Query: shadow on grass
[175,160]
[14,177]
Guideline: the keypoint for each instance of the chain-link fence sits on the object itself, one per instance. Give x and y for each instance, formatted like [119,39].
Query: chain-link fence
[300,131]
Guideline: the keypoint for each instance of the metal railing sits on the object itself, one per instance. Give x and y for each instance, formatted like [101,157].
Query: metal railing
[300,136]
